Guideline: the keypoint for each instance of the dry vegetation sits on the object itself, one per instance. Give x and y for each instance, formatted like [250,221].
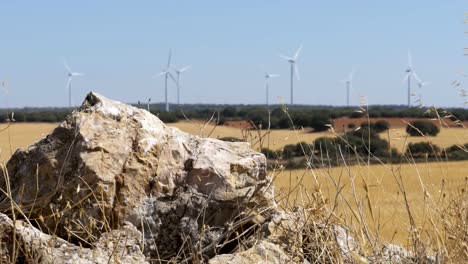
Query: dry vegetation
[420,205]
[428,187]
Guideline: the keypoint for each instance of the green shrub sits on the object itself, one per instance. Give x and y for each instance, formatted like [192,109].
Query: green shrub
[456,152]
[377,127]
[381,126]
[420,128]
[422,149]
[289,151]
[269,154]
[168,117]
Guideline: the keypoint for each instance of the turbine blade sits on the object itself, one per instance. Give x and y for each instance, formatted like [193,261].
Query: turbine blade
[296,71]
[417,77]
[172,77]
[67,67]
[351,74]
[77,74]
[273,75]
[186,68]
[169,59]
[286,57]
[406,77]
[297,52]
[410,60]
[68,82]
[159,74]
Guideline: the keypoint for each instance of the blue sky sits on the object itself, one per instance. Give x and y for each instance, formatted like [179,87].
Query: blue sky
[120,45]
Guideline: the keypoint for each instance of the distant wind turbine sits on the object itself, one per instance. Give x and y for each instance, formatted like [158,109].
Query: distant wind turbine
[349,85]
[268,76]
[178,73]
[294,71]
[70,75]
[410,73]
[166,72]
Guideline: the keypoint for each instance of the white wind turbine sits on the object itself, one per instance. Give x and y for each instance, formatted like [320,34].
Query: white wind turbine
[294,71]
[349,84]
[166,72]
[268,76]
[410,73]
[178,73]
[70,75]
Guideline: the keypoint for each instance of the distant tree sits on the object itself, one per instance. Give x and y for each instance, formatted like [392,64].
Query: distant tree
[269,154]
[377,127]
[419,128]
[422,149]
[456,152]
[229,111]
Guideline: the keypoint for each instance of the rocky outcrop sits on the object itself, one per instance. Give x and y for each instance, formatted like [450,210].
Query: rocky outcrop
[117,246]
[109,163]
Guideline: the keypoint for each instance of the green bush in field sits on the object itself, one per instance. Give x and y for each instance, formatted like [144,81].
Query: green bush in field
[269,154]
[377,127]
[456,152]
[422,149]
[420,128]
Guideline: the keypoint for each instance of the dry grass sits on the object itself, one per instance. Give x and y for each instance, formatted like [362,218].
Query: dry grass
[367,198]
[446,138]
[390,218]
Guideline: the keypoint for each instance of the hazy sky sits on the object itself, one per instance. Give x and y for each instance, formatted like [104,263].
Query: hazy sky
[120,45]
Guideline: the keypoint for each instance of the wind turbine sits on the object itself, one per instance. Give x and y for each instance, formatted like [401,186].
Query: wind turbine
[268,76]
[70,75]
[179,72]
[410,73]
[349,85]
[167,74]
[294,71]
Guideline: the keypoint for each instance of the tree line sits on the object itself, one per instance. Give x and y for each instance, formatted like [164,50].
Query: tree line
[315,117]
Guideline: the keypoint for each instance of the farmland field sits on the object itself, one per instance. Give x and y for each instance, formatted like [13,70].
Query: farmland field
[384,197]
[23,134]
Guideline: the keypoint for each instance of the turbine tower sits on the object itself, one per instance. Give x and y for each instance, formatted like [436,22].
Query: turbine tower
[179,72]
[268,76]
[294,71]
[70,75]
[349,85]
[410,73]
[165,71]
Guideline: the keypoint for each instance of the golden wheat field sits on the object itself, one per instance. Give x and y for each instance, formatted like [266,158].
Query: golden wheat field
[21,135]
[274,139]
[277,139]
[446,138]
[428,185]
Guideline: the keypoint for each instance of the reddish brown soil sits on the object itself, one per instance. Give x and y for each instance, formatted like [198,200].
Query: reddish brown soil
[239,124]
[395,122]
[339,123]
